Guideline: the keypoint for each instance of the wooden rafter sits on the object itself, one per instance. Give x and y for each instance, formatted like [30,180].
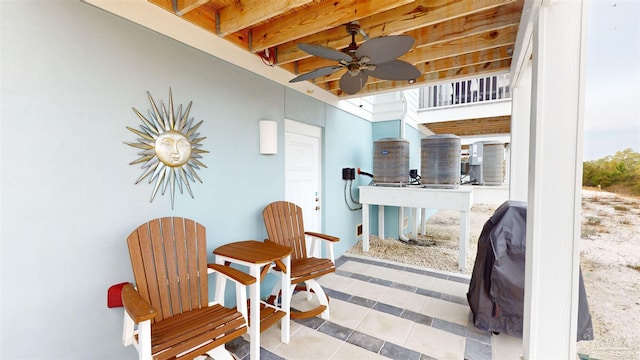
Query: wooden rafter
[393,22]
[319,17]
[481,126]
[243,14]
[454,38]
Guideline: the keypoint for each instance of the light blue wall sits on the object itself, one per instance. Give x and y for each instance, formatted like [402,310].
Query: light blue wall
[348,145]
[70,75]
[303,108]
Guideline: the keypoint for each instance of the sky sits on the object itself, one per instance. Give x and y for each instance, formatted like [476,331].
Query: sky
[612,89]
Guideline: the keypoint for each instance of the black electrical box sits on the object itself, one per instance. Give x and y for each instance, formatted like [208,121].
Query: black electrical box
[348,173]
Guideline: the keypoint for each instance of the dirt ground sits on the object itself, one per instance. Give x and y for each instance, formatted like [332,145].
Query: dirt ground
[610,261]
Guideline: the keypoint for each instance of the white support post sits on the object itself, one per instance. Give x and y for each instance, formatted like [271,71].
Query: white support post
[520,117]
[555,167]
[365,227]
[381,221]
[414,221]
[463,239]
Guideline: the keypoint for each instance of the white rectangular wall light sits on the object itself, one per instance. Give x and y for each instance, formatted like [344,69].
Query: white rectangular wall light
[268,137]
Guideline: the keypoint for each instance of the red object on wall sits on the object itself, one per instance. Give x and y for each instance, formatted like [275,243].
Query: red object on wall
[114,295]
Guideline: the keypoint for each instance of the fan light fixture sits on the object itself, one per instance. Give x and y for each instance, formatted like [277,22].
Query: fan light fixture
[376,57]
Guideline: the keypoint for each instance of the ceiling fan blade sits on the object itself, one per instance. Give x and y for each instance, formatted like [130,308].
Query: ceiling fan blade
[325,52]
[323,71]
[395,70]
[352,84]
[385,48]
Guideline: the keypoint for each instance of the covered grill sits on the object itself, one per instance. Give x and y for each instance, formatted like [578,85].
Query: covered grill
[496,290]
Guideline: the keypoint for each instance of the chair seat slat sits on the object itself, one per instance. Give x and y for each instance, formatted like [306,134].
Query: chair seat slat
[182,332]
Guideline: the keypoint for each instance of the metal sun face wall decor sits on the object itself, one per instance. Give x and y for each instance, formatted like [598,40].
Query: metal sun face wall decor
[170,148]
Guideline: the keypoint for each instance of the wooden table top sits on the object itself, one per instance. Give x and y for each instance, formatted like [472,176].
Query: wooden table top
[252,251]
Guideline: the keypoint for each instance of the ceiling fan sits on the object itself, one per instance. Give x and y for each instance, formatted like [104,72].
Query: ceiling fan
[376,57]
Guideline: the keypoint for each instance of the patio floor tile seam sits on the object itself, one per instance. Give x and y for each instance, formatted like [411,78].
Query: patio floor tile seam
[415,317]
[477,344]
[401,286]
[360,339]
[452,277]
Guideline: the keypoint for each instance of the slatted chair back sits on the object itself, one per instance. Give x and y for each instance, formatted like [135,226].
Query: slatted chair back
[169,260]
[284,224]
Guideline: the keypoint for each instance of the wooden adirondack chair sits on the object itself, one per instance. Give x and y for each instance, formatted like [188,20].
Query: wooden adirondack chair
[284,224]
[169,303]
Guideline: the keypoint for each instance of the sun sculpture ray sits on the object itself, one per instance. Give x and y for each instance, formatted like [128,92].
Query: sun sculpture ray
[170,148]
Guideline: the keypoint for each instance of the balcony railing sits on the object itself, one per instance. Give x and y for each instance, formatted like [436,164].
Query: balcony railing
[466,92]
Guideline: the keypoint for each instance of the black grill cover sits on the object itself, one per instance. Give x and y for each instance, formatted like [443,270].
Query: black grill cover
[496,290]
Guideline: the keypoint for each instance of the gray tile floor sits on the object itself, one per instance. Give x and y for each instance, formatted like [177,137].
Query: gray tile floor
[381,309]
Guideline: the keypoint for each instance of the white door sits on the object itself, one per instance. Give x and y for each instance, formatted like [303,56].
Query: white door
[302,170]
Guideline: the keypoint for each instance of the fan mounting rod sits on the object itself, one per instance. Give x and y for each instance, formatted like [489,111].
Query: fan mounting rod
[353,28]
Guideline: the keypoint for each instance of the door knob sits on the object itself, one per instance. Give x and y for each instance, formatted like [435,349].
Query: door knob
[317,208]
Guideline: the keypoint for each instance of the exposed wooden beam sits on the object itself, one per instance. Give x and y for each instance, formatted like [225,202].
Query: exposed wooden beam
[480,126]
[482,41]
[454,38]
[393,22]
[199,12]
[478,57]
[245,13]
[473,24]
[316,18]
[478,70]
[184,6]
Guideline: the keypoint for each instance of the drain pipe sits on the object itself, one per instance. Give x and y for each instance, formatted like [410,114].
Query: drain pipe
[403,114]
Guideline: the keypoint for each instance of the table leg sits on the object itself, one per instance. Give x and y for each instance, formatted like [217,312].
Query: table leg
[464,239]
[285,322]
[365,227]
[254,313]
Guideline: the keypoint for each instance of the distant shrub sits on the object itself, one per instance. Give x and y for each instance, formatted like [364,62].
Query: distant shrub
[634,267]
[588,233]
[619,173]
[593,221]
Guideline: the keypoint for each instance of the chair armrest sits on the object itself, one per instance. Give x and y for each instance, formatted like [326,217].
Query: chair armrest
[138,309]
[328,243]
[233,274]
[322,236]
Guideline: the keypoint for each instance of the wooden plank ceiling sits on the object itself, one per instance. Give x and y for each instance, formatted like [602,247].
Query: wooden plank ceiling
[470,127]
[453,38]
